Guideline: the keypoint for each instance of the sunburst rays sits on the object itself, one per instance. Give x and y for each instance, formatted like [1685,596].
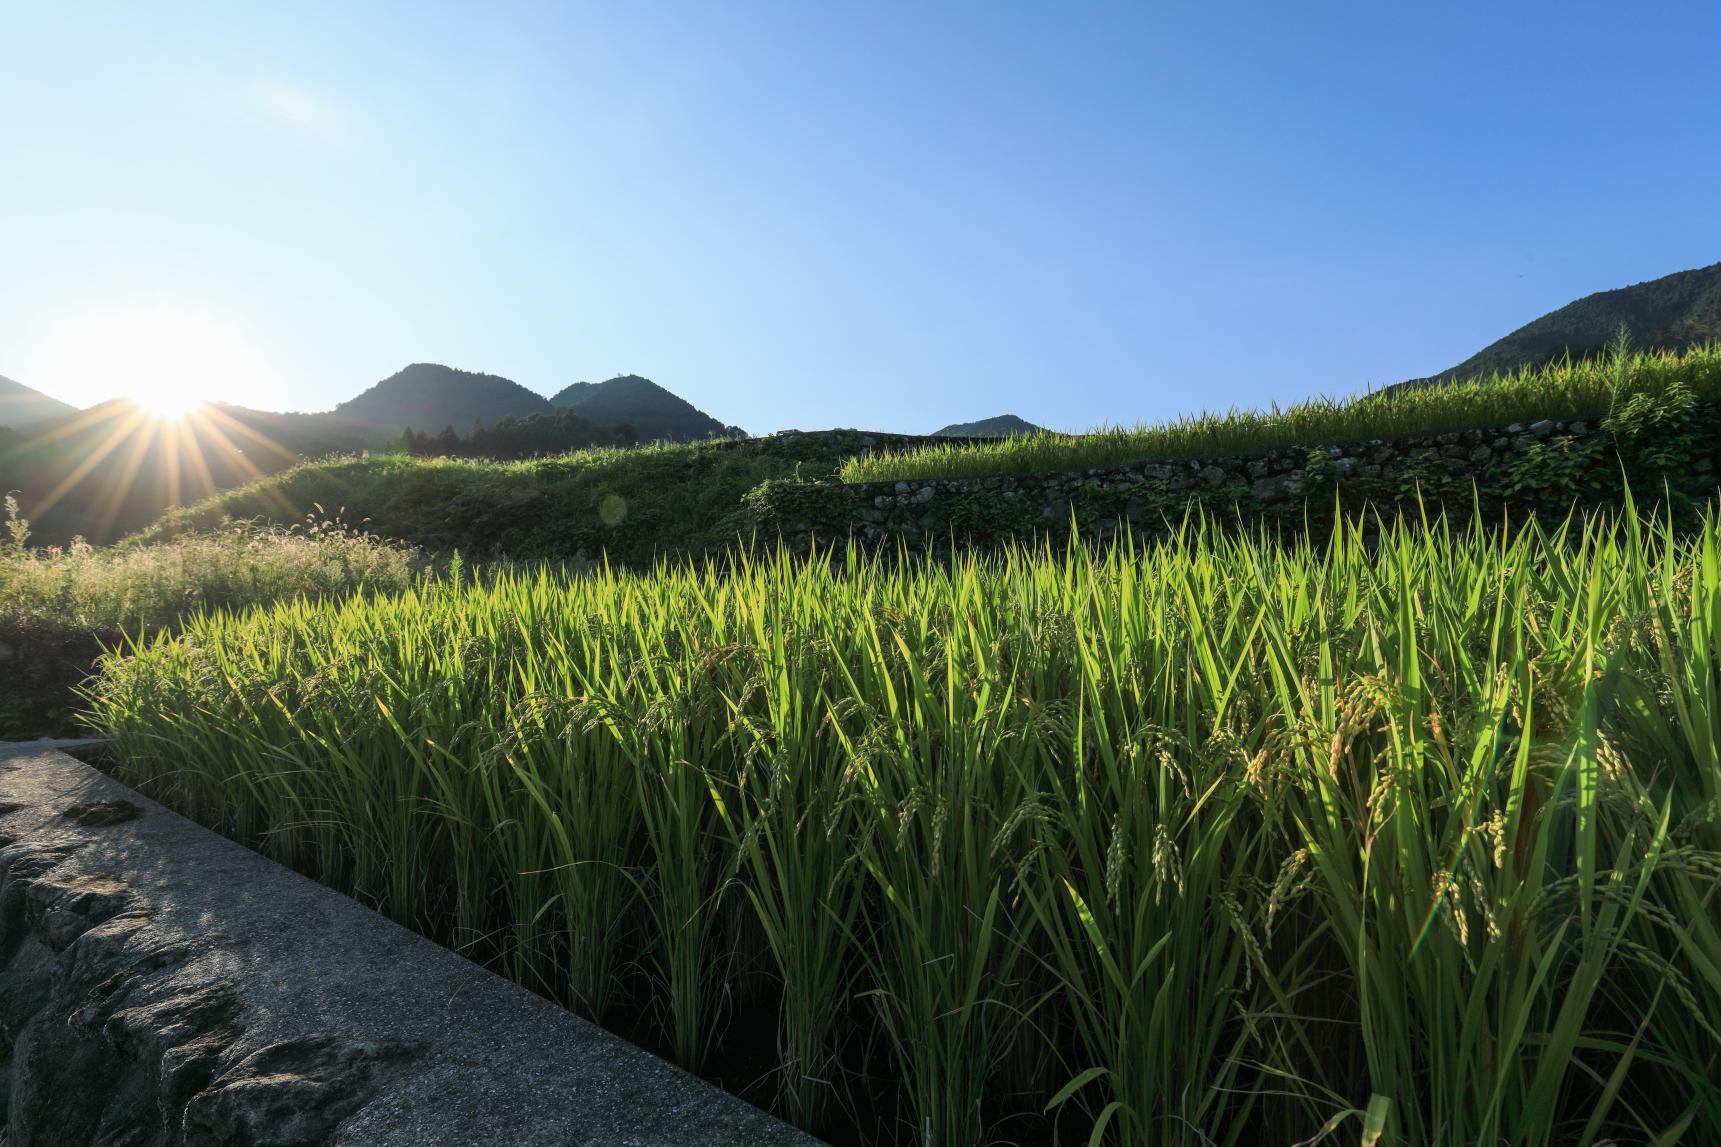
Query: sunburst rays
[195,453]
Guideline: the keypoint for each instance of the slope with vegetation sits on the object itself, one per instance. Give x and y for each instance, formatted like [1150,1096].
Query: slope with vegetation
[104,472]
[534,436]
[1220,842]
[110,470]
[20,406]
[429,396]
[1565,389]
[650,411]
[999,426]
[631,506]
[1670,313]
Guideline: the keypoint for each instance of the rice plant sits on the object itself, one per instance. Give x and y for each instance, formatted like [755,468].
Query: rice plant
[1404,834]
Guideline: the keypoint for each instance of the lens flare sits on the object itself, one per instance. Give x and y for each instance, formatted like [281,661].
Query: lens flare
[168,403]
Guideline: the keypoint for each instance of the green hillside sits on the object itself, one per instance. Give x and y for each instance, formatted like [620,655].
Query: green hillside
[1670,313]
[21,406]
[534,436]
[635,505]
[1000,426]
[653,412]
[430,396]
[114,468]
[1581,388]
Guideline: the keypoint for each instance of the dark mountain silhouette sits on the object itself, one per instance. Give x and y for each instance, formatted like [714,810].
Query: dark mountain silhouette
[652,412]
[105,472]
[1000,426]
[21,406]
[114,468]
[534,436]
[1669,313]
[430,396]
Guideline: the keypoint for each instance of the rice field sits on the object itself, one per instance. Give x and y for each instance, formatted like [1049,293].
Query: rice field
[1564,389]
[1211,842]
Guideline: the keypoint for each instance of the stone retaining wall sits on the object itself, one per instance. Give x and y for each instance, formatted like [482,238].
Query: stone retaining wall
[1527,467]
[1268,476]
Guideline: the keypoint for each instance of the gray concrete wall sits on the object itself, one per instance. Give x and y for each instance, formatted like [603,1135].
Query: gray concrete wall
[160,985]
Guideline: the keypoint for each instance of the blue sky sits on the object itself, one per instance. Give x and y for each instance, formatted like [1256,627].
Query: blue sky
[806,214]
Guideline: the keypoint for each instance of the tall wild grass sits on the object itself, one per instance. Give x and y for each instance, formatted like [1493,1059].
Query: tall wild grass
[146,586]
[59,605]
[1212,842]
[1562,389]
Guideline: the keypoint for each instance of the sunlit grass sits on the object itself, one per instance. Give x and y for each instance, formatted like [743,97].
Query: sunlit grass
[1216,842]
[141,587]
[1562,390]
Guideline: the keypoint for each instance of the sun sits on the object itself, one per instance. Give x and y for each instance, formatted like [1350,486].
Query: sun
[169,402]
[169,359]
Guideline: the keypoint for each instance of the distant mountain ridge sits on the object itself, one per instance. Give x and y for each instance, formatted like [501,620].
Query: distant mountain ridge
[653,412]
[108,470]
[427,396]
[1670,313]
[430,396]
[22,406]
[110,488]
[998,426]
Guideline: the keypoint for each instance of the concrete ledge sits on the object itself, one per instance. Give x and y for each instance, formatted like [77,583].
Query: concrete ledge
[160,985]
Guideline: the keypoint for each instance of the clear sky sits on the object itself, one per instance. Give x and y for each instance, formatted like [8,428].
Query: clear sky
[814,214]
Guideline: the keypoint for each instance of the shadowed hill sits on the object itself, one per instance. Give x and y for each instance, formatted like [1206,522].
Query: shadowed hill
[1669,313]
[1001,426]
[430,396]
[653,412]
[21,406]
[103,472]
[632,505]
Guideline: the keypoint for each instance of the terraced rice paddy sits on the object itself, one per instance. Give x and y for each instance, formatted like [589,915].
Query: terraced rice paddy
[1220,841]
[1561,389]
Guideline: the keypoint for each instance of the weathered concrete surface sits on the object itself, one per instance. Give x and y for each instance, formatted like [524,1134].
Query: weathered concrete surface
[72,745]
[160,985]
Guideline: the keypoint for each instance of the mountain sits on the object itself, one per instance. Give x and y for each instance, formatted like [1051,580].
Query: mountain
[1001,426]
[113,468]
[21,406]
[1669,313]
[653,412]
[534,436]
[429,396]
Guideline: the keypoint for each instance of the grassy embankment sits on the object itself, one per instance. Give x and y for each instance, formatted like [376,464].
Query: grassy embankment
[633,506]
[1564,389]
[1219,842]
[636,506]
